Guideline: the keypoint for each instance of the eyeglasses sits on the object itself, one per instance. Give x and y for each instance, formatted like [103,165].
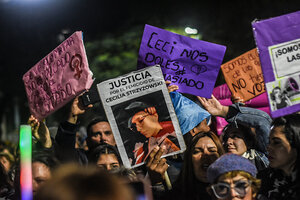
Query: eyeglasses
[223,190]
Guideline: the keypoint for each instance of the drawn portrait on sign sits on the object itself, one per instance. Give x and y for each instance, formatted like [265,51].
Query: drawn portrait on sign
[145,123]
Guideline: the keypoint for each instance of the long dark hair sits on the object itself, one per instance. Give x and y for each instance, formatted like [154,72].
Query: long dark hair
[291,129]
[186,183]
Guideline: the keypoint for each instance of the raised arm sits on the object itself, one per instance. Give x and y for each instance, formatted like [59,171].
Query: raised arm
[213,106]
[66,133]
[76,109]
[247,116]
[40,131]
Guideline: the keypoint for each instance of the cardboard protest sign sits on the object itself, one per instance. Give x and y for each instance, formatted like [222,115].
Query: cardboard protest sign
[141,115]
[57,78]
[243,76]
[278,42]
[191,64]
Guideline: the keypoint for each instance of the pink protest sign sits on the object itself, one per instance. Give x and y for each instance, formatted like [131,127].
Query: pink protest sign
[60,76]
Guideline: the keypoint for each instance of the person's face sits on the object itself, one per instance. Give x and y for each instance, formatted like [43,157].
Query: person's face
[235,145]
[5,162]
[277,93]
[239,188]
[101,132]
[108,162]
[202,127]
[40,174]
[204,154]
[281,154]
[146,123]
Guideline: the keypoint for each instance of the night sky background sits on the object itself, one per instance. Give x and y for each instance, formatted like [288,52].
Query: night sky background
[30,29]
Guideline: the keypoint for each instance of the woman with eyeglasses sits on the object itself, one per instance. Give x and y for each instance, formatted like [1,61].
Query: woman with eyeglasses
[282,179]
[233,177]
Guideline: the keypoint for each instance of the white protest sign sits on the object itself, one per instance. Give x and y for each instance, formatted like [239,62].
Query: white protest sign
[140,112]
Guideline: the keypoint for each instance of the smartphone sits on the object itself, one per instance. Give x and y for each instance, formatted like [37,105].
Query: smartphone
[90,97]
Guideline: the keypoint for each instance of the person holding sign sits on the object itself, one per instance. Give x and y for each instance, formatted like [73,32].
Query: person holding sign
[99,132]
[191,184]
[144,120]
[42,139]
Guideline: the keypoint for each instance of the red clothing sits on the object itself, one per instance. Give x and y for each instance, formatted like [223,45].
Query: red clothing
[159,140]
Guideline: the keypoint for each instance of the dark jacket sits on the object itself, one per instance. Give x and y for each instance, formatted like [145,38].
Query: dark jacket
[65,145]
[277,186]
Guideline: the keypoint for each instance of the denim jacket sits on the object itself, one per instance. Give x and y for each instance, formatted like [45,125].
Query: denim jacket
[257,158]
[255,118]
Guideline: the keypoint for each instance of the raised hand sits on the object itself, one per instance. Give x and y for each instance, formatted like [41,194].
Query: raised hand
[213,106]
[171,88]
[77,109]
[40,131]
[235,99]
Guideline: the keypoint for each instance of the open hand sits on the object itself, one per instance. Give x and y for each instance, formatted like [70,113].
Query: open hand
[213,106]
[171,88]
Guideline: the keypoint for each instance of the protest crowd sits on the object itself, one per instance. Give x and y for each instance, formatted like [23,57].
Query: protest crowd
[254,156]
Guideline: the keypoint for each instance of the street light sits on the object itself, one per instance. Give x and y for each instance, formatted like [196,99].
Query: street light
[191,31]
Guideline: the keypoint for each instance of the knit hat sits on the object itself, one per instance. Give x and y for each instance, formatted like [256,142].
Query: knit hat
[227,163]
[189,114]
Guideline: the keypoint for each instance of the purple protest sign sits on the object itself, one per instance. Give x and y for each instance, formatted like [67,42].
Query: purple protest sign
[57,78]
[191,64]
[278,42]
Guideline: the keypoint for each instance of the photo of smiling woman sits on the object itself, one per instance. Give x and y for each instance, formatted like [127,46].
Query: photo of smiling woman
[145,123]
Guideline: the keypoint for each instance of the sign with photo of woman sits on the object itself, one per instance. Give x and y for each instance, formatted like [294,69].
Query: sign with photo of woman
[141,115]
[278,42]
